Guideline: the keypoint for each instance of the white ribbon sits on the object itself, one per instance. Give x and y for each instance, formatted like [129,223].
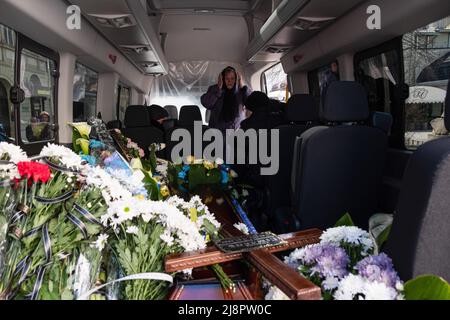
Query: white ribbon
[138,276]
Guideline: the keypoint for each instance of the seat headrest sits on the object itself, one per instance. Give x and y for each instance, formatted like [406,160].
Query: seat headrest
[345,101]
[257,101]
[114,124]
[189,114]
[157,112]
[447,107]
[301,108]
[136,116]
[173,111]
[382,120]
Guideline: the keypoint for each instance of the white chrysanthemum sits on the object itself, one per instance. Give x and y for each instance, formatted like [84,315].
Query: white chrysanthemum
[379,291]
[293,260]
[123,210]
[111,188]
[354,287]
[161,169]
[330,283]
[241,227]
[101,242]
[67,157]
[276,294]
[14,154]
[352,235]
[350,287]
[132,230]
[167,238]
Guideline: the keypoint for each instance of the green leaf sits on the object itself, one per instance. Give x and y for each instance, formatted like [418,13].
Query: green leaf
[152,187]
[345,221]
[427,287]
[384,235]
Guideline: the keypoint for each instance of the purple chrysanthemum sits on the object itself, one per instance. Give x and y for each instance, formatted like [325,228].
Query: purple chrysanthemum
[378,268]
[325,260]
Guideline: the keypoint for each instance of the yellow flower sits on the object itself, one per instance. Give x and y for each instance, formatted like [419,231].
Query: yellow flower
[139,197]
[208,165]
[190,160]
[84,144]
[165,191]
[193,214]
[136,164]
[83,129]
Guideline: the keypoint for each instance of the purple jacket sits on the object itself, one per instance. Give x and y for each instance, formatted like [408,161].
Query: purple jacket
[213,100]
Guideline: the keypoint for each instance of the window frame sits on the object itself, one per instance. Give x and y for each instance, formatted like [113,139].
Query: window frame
[98,74]
[397,137]
[23,42]
[263,79]
[119,91]
[315,73]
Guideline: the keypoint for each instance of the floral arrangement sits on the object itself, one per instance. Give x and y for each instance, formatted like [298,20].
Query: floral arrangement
[49,232]
[130,148]
[72,227]
[346,266]
[198,172]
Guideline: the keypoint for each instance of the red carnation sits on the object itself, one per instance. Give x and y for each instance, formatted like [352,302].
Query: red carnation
[34,171]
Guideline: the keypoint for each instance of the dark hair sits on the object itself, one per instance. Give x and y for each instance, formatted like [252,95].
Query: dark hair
[257,101]
[230,107]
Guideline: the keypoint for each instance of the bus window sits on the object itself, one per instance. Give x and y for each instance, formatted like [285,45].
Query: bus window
[275,83]
[320,78]
[186,82]
[123,101]
[427,70]
[7,62]
[380,71]
[37,111]
[85,84]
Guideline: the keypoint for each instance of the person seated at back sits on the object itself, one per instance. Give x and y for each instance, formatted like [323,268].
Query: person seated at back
[257,106]
[157,116]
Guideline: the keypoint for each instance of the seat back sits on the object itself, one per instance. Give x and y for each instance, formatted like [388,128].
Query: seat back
[382,120]
[339,168]
[300,114]
[114,124]
[173,111]
[419,241]
[138,128]
[188,116]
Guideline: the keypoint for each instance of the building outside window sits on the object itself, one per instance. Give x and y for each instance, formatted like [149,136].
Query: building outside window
[85,83]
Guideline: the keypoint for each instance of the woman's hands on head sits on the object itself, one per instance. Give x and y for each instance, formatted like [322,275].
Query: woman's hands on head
[240,80]
[220,81]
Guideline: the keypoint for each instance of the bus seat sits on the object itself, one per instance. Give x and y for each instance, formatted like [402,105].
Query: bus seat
[382,120]
[173,111]
[188,115]
[339,167]
[138,128]
[419,241]
[301,114]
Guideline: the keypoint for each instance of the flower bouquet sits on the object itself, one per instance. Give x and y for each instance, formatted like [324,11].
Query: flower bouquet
[48,249]
[346,266]
[145,231]
[199,172]
[10,155]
